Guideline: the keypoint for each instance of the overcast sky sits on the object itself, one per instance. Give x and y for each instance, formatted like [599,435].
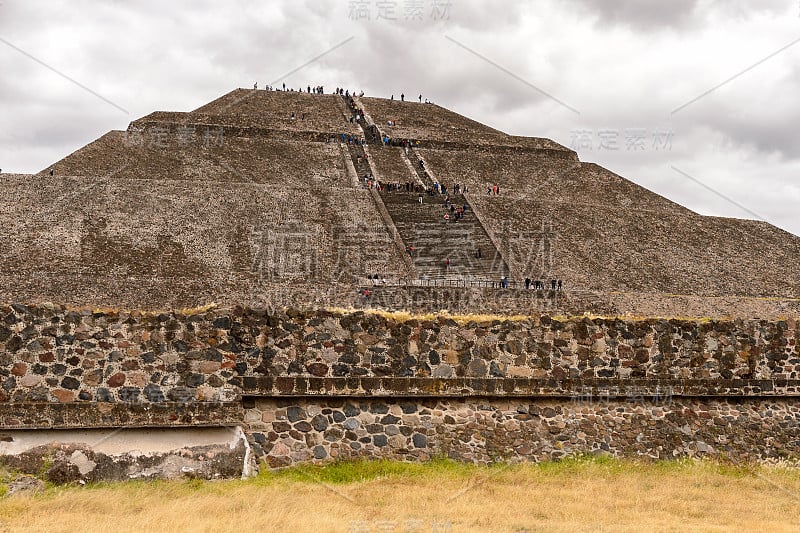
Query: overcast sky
[696,100]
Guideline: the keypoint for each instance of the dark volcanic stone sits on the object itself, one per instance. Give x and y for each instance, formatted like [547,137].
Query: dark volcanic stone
[104,395]
[14,344]
[408,407]
[351,423]
[195,380]
[222,322]
[294,413]
[390,419]
[70,383]
[317,369]
[496,371]
[303,426]
[319,422]
[340,370]
[281,427]
[378,408]
[154,393]
[129,394]
[333,434]
[179,346]
[477,368]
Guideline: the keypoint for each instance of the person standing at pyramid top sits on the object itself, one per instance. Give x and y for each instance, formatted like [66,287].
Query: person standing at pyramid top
[402,97]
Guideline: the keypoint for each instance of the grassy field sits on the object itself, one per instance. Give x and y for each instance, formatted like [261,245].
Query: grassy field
[572,495]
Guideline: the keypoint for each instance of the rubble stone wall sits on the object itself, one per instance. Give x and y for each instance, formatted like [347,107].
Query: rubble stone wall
[320,385]
[482,430]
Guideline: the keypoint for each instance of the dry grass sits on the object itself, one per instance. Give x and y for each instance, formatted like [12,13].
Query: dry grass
[580,495]
[404,316]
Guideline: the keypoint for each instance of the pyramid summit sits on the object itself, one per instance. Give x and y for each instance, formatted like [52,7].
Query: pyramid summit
[293,197]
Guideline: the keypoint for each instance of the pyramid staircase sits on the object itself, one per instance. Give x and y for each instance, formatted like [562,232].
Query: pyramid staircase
[473,257]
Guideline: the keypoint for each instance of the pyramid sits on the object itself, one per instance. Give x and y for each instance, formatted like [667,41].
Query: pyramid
[260,191]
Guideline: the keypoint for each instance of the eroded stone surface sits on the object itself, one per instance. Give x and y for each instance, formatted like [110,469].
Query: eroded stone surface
[515,430]
[67,463]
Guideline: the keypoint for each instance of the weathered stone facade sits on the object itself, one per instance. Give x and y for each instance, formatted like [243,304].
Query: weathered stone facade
[52,355]
[485,430]
[249,194]
[320,385]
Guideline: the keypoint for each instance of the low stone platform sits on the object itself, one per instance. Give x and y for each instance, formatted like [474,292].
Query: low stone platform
[65,456]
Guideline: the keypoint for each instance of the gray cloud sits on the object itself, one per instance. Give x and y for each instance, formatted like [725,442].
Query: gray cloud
[638,15]
[623,64]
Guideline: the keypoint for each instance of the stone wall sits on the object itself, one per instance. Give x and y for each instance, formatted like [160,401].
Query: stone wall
[323,385]
[51,355]
[286,432]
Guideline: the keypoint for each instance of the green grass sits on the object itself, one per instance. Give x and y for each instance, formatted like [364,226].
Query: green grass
[359,471]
